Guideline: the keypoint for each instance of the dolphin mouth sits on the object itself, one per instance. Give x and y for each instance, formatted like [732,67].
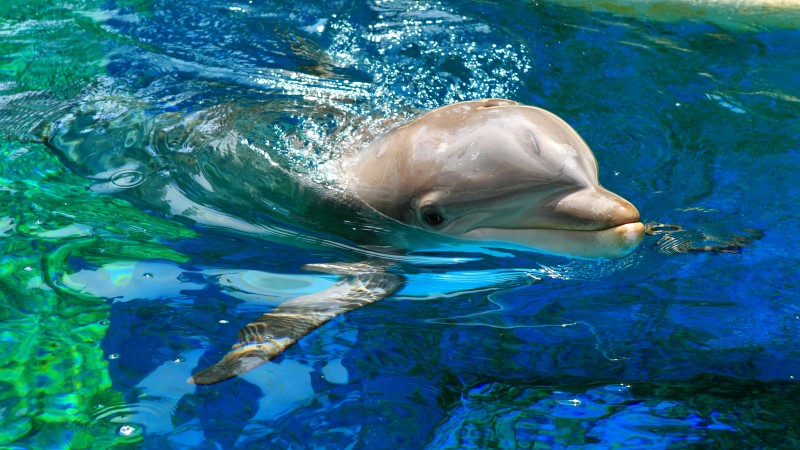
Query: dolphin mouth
[613,242]
[586,223]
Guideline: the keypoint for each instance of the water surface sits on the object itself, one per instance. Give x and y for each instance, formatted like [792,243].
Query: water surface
[165,172]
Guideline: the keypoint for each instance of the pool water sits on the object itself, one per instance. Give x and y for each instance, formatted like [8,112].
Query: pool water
[156,170]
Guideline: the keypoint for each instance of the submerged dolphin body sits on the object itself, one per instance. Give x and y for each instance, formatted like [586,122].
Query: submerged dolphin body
[489,170]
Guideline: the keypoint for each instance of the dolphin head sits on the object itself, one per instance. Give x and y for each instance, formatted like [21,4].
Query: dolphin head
[493,170]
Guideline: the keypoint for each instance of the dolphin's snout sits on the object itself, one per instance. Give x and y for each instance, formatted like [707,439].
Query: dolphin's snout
[596,209]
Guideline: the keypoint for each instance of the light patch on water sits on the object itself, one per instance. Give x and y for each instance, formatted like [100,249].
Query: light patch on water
[729,14]
[123,281]
[569,402]
[202,181]
[310,86]
[317,27]
[7,226]
[726,103]
[438,285]
[285,387]
[126,177]
[104,15]
[70,231]
[181,205]
[269,288]
[335,373]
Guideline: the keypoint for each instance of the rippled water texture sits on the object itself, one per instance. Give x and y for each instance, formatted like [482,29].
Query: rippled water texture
[167,169]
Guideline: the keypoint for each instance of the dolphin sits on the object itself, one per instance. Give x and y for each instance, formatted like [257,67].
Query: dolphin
[491,170]
[494,170]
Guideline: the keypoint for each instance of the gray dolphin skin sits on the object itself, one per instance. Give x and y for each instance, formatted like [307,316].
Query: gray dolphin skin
[489,170]
[496,171]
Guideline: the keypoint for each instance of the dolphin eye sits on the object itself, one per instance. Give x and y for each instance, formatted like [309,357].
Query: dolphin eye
[433,218]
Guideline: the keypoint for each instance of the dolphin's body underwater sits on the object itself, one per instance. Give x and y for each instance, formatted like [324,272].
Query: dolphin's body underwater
[489,170]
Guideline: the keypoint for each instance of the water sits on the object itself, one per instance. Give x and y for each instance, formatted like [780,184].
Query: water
[137,240]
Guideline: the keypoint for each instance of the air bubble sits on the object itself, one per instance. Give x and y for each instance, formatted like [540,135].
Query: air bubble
[127,178]
[128,430]
[113,356]
[131,138]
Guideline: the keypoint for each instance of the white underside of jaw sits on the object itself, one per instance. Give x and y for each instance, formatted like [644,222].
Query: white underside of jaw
[613,242]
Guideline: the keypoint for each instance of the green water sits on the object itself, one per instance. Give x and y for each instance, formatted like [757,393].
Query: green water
[53,373]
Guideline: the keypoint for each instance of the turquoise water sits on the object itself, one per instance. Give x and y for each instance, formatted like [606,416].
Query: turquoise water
[154,197]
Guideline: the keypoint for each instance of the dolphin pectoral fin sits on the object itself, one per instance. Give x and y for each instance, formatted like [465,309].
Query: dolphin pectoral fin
[269,335]
[228,367]
[708,238]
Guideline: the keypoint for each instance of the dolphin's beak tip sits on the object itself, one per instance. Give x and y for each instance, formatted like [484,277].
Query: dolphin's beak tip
[631,234]
[634,231]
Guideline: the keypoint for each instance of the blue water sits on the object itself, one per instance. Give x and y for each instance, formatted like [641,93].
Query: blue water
[154,197]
